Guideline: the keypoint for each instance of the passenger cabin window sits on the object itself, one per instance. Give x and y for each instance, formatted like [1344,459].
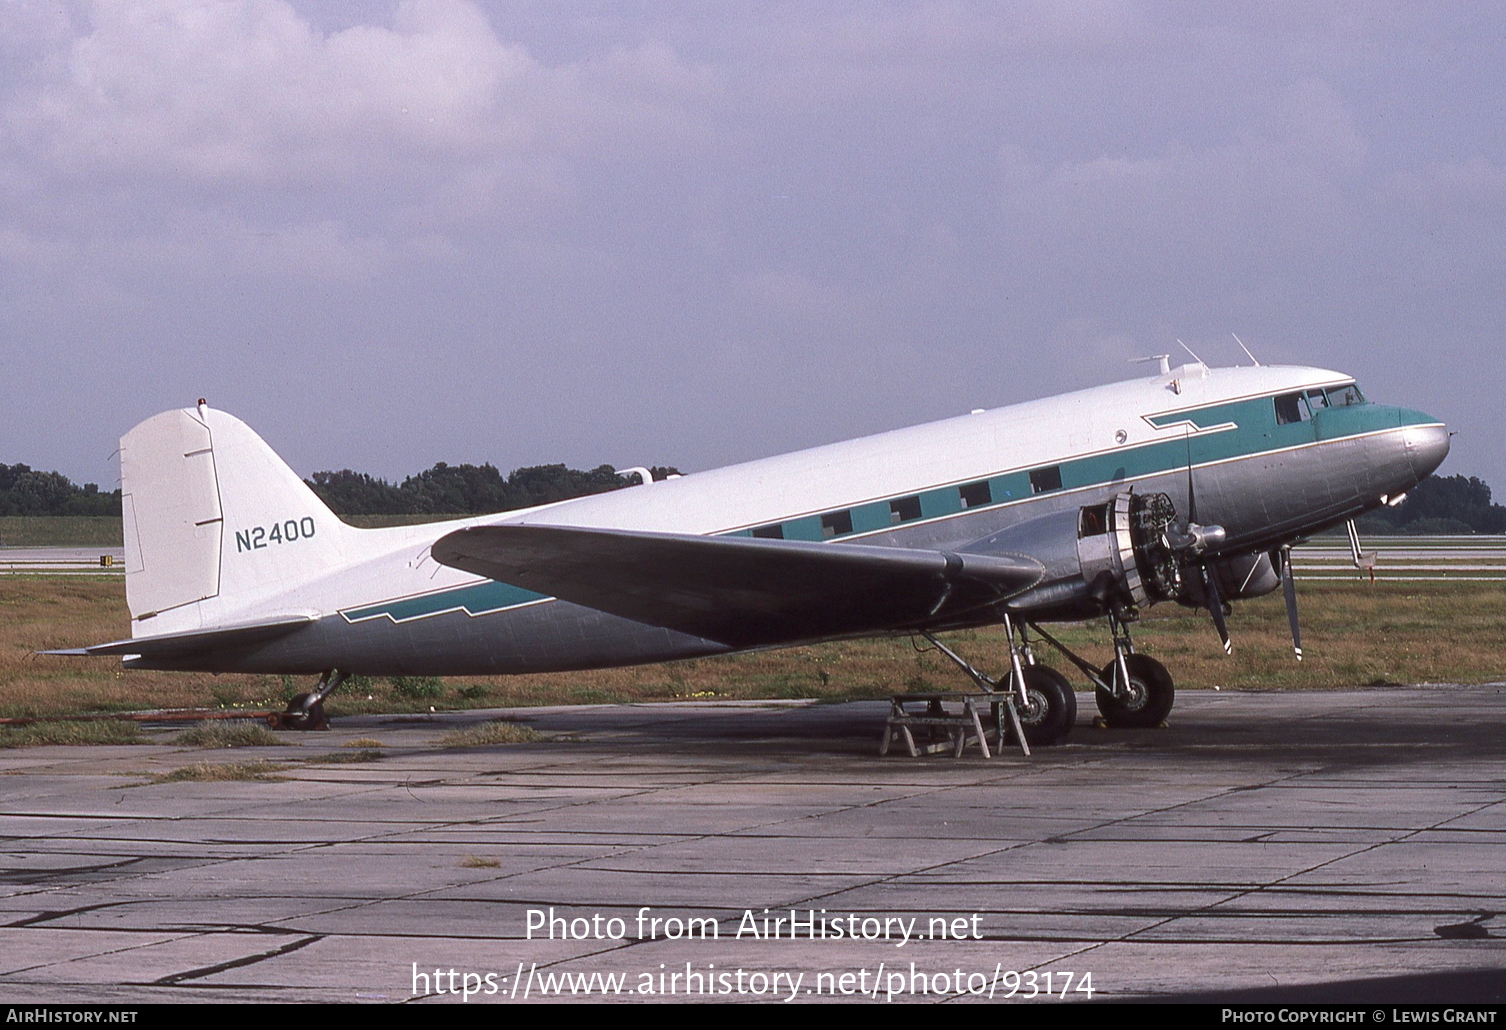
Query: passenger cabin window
[774,532]
[1344,396]
[1048,478]
[975,494]
[1292,407]
[836,524]
[904,509]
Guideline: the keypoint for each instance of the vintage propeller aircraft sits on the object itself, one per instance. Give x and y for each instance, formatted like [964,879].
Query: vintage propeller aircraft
[1187,486]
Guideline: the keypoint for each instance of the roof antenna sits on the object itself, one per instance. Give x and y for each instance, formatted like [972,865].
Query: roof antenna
[1194,356]
[1245,349]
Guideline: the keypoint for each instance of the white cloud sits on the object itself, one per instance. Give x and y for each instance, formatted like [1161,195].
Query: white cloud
[155,113]
[227,90]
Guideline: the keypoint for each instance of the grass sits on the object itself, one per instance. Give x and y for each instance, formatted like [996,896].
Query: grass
[101,731]
[221,772]
[498,732]
[60,531]
[227,734]
[1353,634]
[363,742]
[363,755]
[477,862]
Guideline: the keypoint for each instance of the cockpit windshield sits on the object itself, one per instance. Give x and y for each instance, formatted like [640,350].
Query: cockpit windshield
[1300,407]
[1343,396]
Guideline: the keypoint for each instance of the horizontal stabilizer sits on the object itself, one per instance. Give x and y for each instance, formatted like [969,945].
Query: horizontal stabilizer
[177,645]
[739,591]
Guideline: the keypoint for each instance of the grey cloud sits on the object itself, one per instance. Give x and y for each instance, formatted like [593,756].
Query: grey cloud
[700,232]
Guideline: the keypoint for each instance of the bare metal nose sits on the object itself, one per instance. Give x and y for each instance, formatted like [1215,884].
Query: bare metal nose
[1427,446]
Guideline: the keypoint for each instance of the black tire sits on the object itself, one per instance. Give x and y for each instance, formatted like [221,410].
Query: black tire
[1052,711]
[295,719]
[1152,694]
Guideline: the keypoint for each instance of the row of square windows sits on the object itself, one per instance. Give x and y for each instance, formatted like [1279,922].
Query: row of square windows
[907,509]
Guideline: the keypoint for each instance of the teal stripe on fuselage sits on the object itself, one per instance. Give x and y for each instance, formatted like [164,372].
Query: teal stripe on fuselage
[477,599]
[1224,431]
[1252,430]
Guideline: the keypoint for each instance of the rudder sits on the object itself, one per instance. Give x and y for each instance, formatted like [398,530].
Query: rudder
[214,520]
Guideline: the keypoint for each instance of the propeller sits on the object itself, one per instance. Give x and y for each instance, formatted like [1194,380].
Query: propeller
[1198,540]
[1289,589]
[1215,606]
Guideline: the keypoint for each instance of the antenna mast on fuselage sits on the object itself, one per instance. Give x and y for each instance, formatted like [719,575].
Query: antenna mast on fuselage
[1245,349]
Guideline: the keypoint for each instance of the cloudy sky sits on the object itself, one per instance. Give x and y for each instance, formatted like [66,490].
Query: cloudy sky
[387,234]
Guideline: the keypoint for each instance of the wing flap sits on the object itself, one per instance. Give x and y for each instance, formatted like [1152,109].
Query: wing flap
[177,645]
[738,591]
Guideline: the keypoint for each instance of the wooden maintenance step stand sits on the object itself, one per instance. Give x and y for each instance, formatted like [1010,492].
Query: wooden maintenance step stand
[927,715]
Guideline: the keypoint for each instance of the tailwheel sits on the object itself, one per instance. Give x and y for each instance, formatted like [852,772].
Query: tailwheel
[1145,702]
[297,718]
[1050,708]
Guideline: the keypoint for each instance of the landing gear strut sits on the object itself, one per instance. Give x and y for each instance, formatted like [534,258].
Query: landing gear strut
[1037,701]
[1133,690]
[1138,691]
[306,711]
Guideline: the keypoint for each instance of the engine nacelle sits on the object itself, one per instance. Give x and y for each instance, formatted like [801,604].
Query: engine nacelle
[1241,577]
[1125,553]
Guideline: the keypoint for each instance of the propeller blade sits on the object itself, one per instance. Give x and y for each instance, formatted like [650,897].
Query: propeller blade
[1289,589]
[1210,587]
[1215,607]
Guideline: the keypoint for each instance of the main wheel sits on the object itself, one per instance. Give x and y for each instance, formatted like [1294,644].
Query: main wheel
[1050,710]
[1150,694]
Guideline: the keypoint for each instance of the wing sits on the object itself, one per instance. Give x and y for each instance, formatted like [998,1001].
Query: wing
[735,590]
[178,645]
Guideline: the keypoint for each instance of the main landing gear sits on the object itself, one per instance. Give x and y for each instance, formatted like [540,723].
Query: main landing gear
[306,711]
[1037,701]
[1132,691]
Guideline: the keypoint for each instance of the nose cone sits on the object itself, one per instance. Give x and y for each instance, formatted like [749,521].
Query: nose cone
[1427,446]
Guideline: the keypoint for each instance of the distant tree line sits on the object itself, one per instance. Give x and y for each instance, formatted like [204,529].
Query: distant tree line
[464,489]
[441,490]
[1441,504]
[25,491]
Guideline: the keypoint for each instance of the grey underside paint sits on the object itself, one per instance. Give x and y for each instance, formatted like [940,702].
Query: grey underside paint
[1261,500]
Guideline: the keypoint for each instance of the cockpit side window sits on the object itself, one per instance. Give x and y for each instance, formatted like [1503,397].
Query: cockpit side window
[1344,396]
[1316,400]
[1292,407]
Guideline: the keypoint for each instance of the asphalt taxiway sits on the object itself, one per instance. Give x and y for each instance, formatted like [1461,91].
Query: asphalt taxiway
[1346,845]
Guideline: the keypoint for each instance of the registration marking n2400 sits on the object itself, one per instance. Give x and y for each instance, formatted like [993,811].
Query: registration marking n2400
[285,532]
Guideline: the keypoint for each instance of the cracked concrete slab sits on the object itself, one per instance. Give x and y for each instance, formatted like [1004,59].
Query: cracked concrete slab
[1329,841]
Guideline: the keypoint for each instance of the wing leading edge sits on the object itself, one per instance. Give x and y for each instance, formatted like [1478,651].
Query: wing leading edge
[735,590]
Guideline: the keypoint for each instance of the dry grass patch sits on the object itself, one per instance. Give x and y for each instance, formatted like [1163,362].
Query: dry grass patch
[1353,634]
[363,742]
[220,772]
[477,862]
[97,731]
[364,755]
[227,734]
[499,732]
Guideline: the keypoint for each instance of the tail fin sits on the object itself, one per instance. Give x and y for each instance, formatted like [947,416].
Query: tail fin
[214,520]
